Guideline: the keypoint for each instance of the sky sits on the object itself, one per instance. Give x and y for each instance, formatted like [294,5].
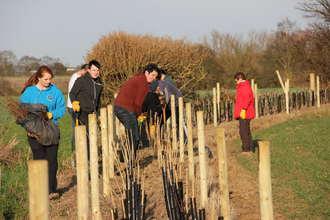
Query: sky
[68,29]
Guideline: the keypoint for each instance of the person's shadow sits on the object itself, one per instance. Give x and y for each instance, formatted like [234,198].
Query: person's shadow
[255,146]
[73,182]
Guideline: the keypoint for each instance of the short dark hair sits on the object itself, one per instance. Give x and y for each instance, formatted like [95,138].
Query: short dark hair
[84,67]
[239,75]
[95,63]
[150,68]
[161,72]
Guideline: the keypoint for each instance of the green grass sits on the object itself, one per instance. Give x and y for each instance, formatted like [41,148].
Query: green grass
[300,164]
[14,180]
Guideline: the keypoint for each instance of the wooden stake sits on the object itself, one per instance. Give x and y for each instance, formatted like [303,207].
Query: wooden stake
[105,152]
[312,81]
[218,100]
[215,118]
[265,184]
[187,189]
[190,142]
[202,158]
[223,173]
[181,135]
[318,91]
[82,172]
[174,128]
[256,100]
[38,189]
[112,142]
[287,96]
[94,168]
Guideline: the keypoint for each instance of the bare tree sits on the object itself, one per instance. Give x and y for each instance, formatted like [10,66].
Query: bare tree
[236,53]
[7,62]
[318,43]
[28,63]
[49,61]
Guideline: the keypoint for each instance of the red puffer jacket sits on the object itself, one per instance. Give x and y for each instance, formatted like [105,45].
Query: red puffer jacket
[244,100]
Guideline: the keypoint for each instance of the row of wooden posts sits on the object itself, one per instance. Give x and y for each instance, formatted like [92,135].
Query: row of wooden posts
[38,177]
[216,115]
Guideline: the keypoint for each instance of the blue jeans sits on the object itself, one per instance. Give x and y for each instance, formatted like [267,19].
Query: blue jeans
[128,119]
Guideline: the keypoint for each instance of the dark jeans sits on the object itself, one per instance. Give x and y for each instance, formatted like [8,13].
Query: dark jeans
[73,121]
[245,133]
[128,119]
[143,134]
[49,153]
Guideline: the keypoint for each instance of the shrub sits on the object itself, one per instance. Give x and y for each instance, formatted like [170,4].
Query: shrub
[122,55]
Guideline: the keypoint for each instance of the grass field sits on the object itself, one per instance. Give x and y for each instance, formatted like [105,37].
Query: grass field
[300,165]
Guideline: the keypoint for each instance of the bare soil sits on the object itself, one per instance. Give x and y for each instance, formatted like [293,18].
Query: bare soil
[243,186]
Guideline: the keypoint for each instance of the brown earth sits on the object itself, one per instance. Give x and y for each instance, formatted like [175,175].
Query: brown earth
[243,186]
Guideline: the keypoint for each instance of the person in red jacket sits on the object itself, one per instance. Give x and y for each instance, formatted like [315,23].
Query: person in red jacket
[128,103]
[244,111]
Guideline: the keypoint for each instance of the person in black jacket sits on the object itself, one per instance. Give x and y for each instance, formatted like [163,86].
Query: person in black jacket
[86,93]
[149,105]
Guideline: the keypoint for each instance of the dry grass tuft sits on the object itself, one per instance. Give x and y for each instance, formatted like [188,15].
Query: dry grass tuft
[6,156]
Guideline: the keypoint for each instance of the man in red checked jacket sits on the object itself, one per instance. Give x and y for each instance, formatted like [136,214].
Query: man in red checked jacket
[244,111]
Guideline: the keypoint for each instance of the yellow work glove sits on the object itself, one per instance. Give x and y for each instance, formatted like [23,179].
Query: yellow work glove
[99,120]
[141,118]
[49,115]
[152,129]
[242,115]
[33,135]
[76,106]
[145,114]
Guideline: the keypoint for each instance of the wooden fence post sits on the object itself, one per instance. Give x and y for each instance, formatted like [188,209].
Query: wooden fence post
[318,91]
[202,158]
[190,142]
[117,126]
[181,135]
[215,118]
[174,128]
[265,183]
[256,100]
[94,166]
[312,81]
[105,152]
[252,85]
[218,101]
[112,141]
[38,189]
[287,96]
[223,174]
[82,172]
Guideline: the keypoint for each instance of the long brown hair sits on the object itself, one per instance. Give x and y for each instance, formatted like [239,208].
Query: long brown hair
[34,78]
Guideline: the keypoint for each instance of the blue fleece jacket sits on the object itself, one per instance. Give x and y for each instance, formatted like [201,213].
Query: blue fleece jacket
[52,97]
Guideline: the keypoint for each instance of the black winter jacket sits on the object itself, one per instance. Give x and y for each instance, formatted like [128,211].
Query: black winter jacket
[87,91]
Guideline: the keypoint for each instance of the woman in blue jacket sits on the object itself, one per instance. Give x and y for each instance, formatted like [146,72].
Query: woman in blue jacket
[38,89]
